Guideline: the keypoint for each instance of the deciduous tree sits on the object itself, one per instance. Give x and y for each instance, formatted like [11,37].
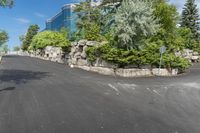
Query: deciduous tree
[3,37]
[32,31]
[133,21]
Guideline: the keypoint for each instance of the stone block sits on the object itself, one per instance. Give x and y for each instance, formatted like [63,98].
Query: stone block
[82,62]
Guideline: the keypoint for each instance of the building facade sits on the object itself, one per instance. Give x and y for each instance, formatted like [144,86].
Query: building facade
[66,18]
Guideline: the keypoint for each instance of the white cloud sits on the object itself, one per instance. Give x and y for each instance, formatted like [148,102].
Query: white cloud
[22,20]
[40,15]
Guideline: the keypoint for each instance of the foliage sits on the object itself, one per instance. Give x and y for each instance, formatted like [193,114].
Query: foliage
[16,48]
[5,3]
[3,37]
[50,38]
[87,16]
[148,56]
[27,40]
[167,15]
[190,18]
[92,32]
[4,48]
[21,38]
[65,32]
[133,21]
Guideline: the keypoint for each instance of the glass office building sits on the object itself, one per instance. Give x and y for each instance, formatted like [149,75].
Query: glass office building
[65,18]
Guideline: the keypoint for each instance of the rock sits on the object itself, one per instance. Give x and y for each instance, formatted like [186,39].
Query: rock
[73,50]
[82,42]
[83,55]
[77,55]
[74,43]
[195,53]
[82,62]
[73,61]
[91,43]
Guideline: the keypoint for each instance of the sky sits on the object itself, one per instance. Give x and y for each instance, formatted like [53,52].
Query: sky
[26,12]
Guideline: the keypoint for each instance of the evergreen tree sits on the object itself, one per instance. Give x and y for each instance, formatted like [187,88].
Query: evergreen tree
[32,31]
[190,18]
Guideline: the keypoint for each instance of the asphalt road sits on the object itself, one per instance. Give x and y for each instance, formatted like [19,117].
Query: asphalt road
[39,96]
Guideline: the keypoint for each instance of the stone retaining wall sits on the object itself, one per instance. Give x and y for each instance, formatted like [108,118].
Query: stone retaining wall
[78,58]
[129,72]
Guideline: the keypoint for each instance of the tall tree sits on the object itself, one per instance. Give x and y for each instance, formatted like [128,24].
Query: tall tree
[5,3]
[87,15]
[190,18]
[32,31]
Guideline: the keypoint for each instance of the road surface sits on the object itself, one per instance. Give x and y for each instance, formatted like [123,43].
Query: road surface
[39,96]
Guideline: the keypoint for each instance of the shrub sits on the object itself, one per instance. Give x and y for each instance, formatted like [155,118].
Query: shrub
[148,56]
[50,38]
[92,32]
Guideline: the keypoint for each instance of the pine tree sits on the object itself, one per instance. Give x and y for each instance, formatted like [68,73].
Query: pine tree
[190,18]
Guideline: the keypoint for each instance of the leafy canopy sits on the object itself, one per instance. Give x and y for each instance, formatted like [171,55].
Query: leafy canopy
[3,37]
[49,38]
[87,16]
[27,39]
[16,48]
[133,21]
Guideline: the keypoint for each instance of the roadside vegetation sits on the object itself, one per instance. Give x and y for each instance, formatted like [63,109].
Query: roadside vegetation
[3,39]
[134,31]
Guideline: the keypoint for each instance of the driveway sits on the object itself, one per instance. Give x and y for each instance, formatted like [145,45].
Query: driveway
[39,96]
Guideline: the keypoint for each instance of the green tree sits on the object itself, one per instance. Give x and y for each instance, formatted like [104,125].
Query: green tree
[4,48]
[3,37]
[133,21]
[32,31]
[49,38]
[190,18]
[5,3]
[167,15]
[87,15]
[16,48]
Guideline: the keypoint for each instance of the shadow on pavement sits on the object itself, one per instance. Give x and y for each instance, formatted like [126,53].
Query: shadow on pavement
[8,89]
[21,76]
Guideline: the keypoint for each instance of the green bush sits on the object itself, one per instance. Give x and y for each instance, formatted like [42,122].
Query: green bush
[148,56]
[92,32]
[50,38]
